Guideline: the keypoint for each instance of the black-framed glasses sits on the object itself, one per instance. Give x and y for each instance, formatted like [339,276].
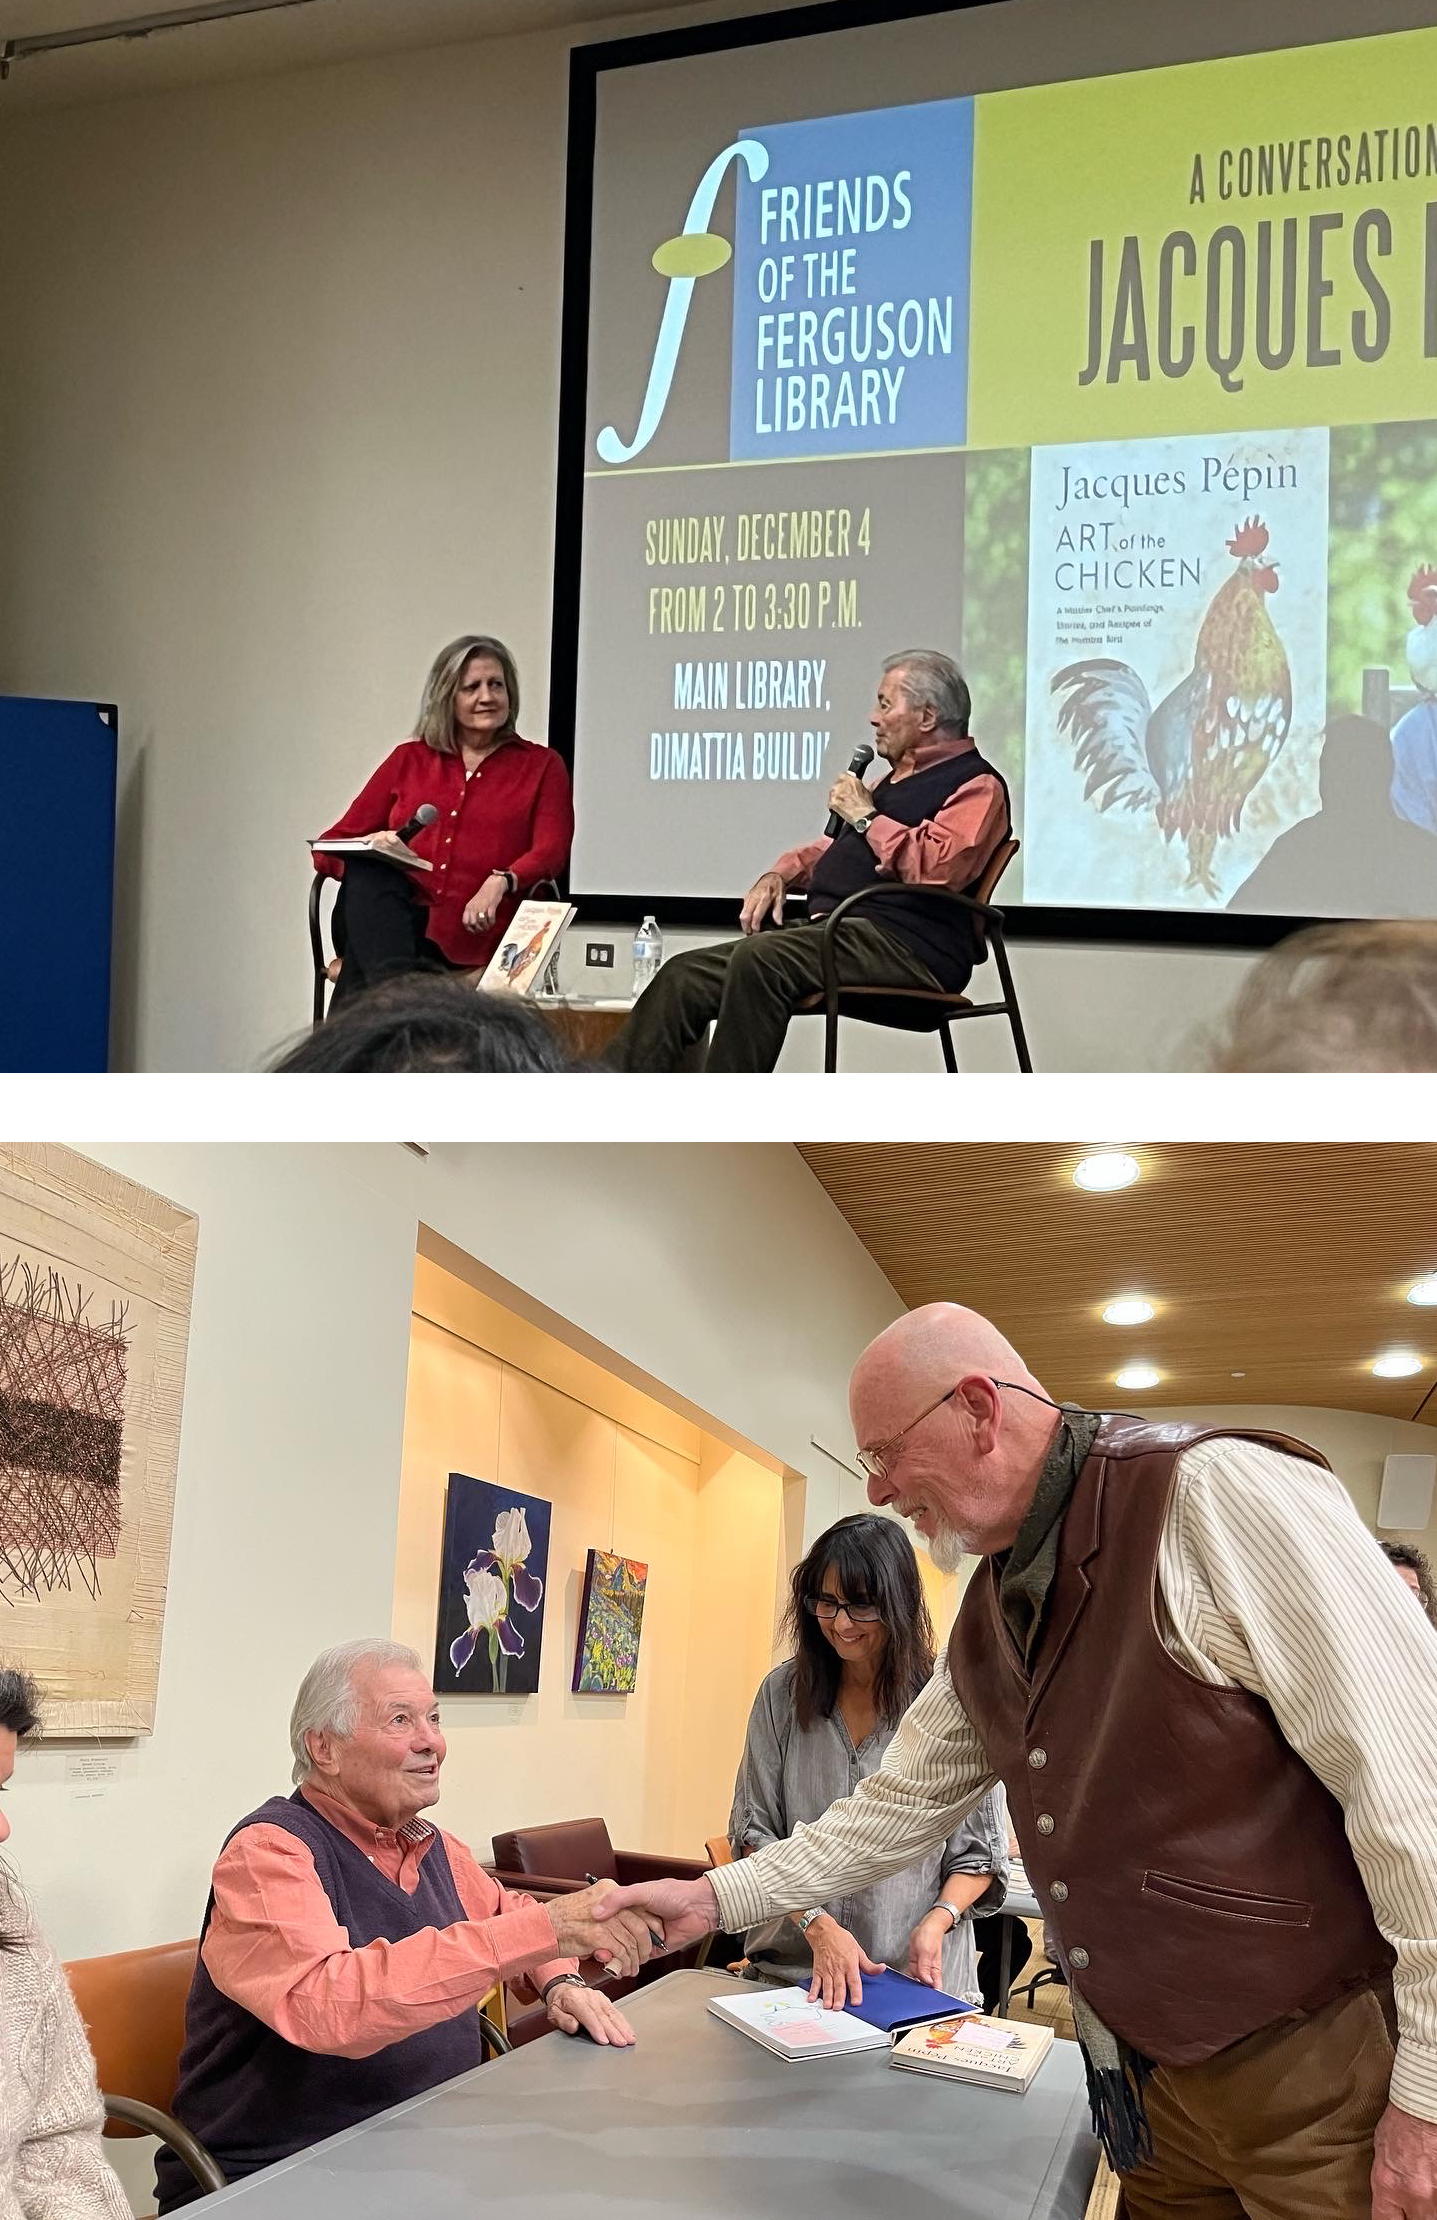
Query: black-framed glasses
[874,1463]
[859,1614]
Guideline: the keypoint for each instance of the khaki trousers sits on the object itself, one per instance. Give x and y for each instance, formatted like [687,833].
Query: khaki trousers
[1277,2127]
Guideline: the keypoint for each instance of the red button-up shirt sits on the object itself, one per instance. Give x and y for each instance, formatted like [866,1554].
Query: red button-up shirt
[515,813]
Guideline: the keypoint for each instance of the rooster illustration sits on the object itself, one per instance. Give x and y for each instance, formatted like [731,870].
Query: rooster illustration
[1422,639]
[1194,759]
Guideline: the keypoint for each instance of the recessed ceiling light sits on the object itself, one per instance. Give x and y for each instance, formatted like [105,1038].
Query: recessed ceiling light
[1102,1174]
[1424,1290]
[1397,1364]
[1138,1376]
[1239,1375]
[1128,1310]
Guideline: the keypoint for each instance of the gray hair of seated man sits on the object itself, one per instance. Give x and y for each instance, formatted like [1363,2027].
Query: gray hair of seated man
[326,1702]
[934,681]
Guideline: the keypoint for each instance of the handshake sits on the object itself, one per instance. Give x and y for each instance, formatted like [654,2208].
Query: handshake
[623,1927]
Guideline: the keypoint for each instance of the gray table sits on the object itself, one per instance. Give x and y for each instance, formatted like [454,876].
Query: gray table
[699,2121]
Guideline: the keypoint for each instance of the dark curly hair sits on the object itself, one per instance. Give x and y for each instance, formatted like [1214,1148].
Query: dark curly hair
[428,1021]
[873,1562]
[1409,1558]
[19,1715]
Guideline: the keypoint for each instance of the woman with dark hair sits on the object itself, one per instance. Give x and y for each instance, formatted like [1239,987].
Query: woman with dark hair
[503,821]
[863,1648]
[423,1022]
[1414,1568]
[51,2164]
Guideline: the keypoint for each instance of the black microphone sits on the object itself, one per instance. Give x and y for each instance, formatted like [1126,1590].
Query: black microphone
[858,763]
[424,815]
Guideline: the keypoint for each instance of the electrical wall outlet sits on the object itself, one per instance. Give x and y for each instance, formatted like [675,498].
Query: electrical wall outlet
[599,955]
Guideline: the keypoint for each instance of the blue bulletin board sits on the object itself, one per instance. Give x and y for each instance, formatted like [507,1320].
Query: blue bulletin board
[57,777]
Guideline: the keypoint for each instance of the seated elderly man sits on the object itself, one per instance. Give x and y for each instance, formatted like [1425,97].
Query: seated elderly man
[934,821]
[347,1941]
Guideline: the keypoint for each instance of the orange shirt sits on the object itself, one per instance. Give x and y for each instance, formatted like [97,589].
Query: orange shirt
[275,1946]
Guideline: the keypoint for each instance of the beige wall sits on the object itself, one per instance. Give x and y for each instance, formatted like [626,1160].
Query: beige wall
[279,380]
[492,1396]
[287,1506]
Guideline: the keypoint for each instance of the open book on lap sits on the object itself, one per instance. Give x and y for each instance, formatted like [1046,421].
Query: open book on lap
[360,845]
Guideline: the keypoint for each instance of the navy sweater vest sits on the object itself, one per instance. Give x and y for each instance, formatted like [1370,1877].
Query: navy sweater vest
[946,940]
[251,2097]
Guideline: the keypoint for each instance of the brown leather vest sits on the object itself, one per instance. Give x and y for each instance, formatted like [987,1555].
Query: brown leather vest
[1196,1872]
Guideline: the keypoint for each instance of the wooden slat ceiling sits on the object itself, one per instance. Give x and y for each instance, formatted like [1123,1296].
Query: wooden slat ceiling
[1286,1263]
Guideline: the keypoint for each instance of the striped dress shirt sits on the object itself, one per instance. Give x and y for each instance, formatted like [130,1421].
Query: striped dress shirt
[1267,1581]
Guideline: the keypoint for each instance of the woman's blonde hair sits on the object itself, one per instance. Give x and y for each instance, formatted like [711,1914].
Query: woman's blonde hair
[435,722]
[1338,998]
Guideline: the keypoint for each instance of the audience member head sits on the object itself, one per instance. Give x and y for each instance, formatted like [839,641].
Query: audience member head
[1415,1570]
[1355,774]
[866,1566]
[922,697]
[941,1437]
[19,1716]
[365,1729]
[471,695]
[1338,998]
[428,1021]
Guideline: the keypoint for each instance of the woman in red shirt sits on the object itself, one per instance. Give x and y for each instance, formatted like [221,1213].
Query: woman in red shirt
[505,822]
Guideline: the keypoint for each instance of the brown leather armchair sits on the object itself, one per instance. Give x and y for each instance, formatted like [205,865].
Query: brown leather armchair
[133,2007]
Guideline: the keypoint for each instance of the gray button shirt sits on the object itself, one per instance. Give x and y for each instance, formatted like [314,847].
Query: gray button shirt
[789,1775]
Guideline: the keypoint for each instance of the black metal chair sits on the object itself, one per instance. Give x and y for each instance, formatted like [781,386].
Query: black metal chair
[921,1009]
[320,962]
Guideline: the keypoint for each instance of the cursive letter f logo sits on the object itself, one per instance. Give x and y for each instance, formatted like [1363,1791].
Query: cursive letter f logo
[693,254]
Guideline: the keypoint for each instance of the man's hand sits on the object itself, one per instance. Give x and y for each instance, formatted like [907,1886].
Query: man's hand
[1404,2168]
[838,1965]
[763,899]
[618,1938]
[482,908]
[849,798]
[571,2008]
[925,1948]
[682,1910]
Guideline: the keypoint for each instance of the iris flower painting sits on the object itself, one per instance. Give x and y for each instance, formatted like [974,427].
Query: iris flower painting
[611,1619]
[493,1573]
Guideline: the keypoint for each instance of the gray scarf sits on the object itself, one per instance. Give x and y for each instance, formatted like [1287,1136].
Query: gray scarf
[1116,2072]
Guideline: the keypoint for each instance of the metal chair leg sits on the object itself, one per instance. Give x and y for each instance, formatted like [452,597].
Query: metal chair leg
[1005,973]
[945,1035]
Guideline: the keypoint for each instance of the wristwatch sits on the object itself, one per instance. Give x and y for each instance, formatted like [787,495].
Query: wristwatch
[952,1915]
[861,824]
[814,1912]
[509,880]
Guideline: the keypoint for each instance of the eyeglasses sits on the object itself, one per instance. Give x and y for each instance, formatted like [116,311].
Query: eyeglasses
[874,1463]
[859,1614]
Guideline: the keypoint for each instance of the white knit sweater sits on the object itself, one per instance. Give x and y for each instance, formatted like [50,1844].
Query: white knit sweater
[51,2163]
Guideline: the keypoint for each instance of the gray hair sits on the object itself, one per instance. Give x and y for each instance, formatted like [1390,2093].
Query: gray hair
[326,1703]
[1359,997]
[436,707]
[933,681]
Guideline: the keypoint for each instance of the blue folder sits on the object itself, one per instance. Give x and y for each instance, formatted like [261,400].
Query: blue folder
[893,2002]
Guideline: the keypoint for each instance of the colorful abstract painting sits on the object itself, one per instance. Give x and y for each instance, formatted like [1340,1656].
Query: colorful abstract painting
[611,1619]
[492,1577]
[95,1278]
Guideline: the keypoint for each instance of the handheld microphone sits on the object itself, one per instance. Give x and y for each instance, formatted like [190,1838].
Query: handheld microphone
[858,763]
[424,815]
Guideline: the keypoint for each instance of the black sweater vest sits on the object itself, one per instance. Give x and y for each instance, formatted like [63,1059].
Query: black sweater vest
[254,2098]
[944,939]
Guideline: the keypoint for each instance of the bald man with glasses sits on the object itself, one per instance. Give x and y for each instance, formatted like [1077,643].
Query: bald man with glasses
[1167,1658]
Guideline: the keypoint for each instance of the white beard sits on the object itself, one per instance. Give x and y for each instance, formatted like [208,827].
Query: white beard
[948,1549]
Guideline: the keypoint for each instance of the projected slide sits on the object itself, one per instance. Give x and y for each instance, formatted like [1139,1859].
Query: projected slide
[1122,391]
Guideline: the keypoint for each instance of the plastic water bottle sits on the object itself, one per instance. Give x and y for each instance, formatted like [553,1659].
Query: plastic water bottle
[648,954]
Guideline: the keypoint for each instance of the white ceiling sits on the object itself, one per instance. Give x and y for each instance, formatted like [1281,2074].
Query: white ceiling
[289,38]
